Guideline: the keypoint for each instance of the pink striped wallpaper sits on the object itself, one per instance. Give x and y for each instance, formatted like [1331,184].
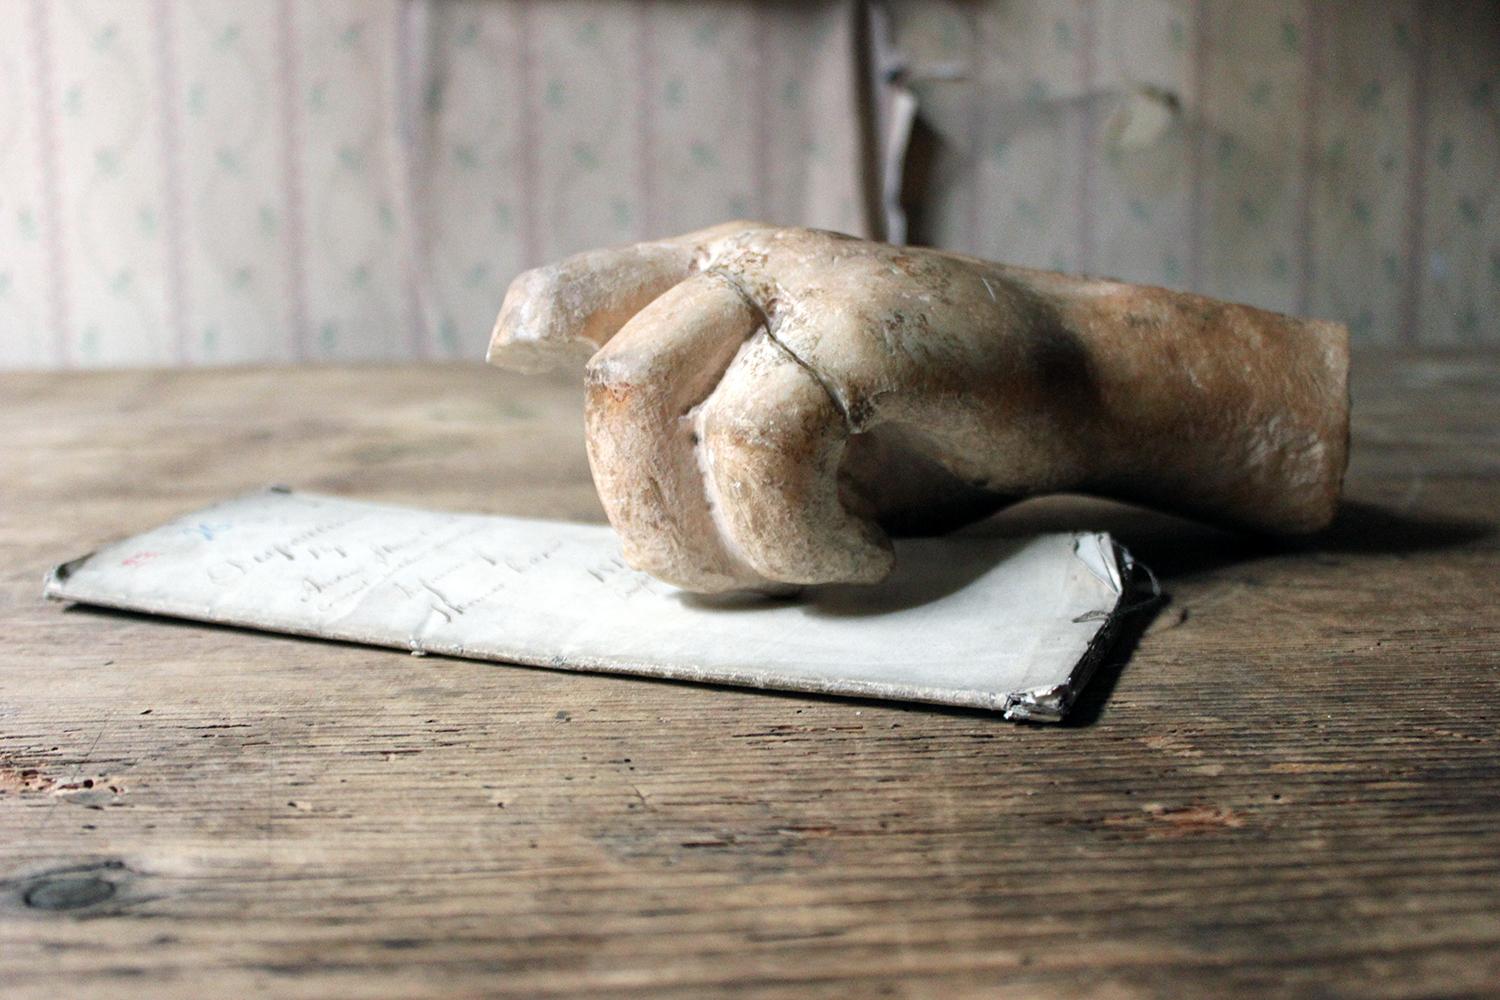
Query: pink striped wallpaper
[213,181]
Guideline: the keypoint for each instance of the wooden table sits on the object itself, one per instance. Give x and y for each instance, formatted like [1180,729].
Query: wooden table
[1292,783]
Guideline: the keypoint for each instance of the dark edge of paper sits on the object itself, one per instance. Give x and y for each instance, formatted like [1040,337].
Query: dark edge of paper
[1052,703]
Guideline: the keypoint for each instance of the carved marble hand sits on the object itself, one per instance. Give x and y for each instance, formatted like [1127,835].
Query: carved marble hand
[765,403]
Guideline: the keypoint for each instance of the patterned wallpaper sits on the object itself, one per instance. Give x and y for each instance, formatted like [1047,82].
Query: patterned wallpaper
[220,181]
[216,181]
[1330,159]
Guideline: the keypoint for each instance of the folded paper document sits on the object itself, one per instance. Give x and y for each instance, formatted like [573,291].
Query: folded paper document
[1013,625]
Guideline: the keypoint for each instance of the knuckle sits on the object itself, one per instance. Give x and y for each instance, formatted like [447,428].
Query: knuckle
[607,374]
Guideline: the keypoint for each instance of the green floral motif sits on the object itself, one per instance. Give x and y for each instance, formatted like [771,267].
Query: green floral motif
[1468,210]
[1062,32]
[1479,94]
[556,94]
[1229,147]
[1028,212]
[1139,210]
[145,219]
[1171,268]
[1402,31]
[1260,93]
[448,334]
[504,217]
[620,209]
[1391,266]
[228,160]
[1251,212]
[1291,36]
[708,31]
[468,33]
[26,224]
[352,33]
[998,149]
[351,159]
[476,274]
[387,217]
[1176,35]
[105,37]
[672,93]
[1369,95]
[588,33]
[465,156]
[72,102]
[791,94]
[227,36]
[210,339]
[317,96]
[359,276]
[1467,320]
[269,221]
[88,341]
[328,335]
[1361,324]
[4,283]
[197,98]
[242,277]
[703,155]
[1278,268]
[122,281]
[952,35]
[1445,150]
[1360,209]
[585,156]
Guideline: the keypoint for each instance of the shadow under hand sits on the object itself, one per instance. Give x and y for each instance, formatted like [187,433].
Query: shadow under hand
[1369,529]
[931,569]
[927,570]
[1177,548]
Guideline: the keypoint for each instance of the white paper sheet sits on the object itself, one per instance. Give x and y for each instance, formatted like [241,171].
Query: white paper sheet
[1012,625]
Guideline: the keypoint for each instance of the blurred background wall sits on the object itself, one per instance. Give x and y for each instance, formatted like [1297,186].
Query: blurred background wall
[221,181]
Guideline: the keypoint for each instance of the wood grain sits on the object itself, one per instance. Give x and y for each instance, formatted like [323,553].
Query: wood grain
[1293,785]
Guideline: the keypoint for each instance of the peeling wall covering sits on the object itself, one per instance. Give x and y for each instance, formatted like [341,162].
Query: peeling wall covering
[1338,160]
[211,181]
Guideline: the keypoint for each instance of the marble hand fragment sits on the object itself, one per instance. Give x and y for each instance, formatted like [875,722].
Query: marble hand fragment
[766,404]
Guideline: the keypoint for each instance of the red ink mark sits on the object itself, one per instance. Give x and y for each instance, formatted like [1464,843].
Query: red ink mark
[138,558]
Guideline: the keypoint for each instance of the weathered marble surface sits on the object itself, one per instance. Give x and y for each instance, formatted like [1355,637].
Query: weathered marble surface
[765,404]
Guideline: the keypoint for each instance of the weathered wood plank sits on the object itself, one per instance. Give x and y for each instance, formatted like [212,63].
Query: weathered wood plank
[1293,785]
